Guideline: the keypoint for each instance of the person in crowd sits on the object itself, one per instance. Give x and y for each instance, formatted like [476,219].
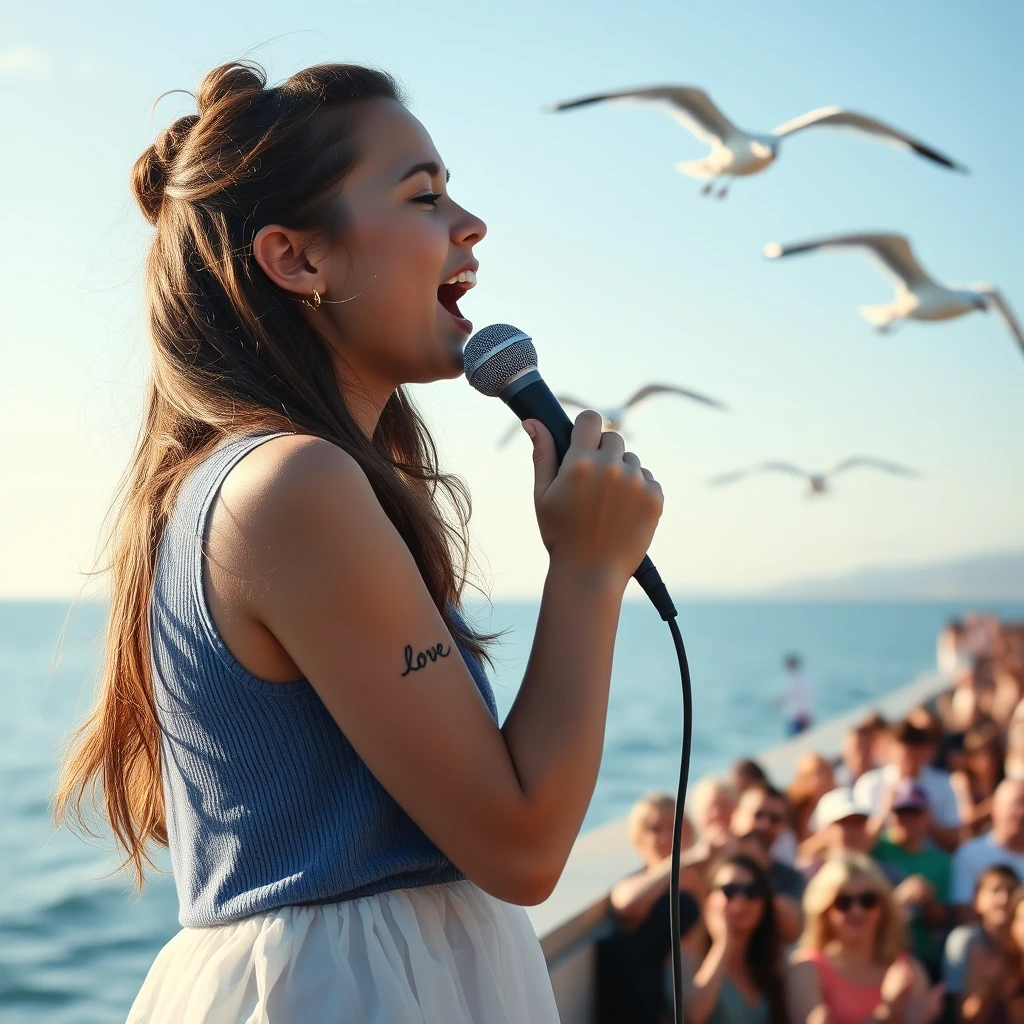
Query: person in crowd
[1008,692]
[862,749]
[994,988]
[1013,763]
[746,773]
[1002,844]
[757,823]
[631,961]
[840,825]
[991,931]
[740,980]
[919,871]
[796,699]
[951,653]
[650,830]
[711,805]
[857,755]
[761,819]
[911,752]
[851,967]
[813,779]
[982,770]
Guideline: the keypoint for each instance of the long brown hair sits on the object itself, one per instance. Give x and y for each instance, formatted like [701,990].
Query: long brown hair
[231,354]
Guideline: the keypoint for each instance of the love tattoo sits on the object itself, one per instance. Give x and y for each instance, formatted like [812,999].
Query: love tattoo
[431,654]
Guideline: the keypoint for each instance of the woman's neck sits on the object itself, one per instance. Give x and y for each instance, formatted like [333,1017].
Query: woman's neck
[365,399]
[856,952]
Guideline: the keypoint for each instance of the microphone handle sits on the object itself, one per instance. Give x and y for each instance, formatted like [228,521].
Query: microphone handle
[531,399]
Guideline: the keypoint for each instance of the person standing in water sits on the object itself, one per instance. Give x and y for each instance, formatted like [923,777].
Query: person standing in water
[291,700]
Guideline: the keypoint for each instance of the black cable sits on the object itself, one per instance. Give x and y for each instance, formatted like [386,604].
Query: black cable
[684,774]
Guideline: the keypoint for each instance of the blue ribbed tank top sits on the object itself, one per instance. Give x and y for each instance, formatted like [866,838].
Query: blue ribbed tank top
[267,803]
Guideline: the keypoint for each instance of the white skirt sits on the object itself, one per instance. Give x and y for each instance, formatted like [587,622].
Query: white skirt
[441,954]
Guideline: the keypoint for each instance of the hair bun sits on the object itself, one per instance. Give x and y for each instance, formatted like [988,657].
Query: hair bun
[152,169]
[236,78]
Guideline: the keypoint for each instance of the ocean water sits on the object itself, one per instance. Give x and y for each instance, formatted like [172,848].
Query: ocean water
[75,942]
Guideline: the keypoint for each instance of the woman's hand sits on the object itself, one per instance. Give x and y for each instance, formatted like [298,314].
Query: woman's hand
[715,920]
[598,511]
[925,1008]
[897,983]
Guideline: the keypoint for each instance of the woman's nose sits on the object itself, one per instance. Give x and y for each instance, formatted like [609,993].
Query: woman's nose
[468,229]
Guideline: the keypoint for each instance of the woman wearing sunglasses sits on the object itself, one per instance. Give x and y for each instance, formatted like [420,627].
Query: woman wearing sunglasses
[851,967]
[740,980]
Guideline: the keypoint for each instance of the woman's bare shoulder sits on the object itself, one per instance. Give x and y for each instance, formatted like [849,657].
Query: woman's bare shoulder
[292,477]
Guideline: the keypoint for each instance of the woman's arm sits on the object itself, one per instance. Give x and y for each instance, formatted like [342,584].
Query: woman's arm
[981,988]
[342,595]
[633,897]
[803,994]
[702,997]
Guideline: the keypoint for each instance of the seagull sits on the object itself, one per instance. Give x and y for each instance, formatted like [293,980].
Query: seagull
[818,481]
[613,417]
[736,153]
[918,295]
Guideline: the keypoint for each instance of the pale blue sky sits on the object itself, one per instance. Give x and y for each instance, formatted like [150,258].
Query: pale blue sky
[596,246]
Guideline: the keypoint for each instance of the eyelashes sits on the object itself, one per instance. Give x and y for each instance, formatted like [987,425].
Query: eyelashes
[431,198]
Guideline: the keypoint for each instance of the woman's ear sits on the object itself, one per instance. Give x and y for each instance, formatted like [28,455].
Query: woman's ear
[281,255]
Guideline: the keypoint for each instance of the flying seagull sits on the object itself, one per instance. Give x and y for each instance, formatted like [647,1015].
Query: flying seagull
[736,153]
[818,481]
[613,417]
[918,295]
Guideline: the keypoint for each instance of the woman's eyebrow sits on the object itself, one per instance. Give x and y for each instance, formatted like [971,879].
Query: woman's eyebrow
[430,166]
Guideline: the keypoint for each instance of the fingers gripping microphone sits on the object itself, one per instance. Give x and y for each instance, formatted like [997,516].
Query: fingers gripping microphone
[501,362]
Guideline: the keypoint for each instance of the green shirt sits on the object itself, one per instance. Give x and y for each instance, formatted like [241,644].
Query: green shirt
[931,864]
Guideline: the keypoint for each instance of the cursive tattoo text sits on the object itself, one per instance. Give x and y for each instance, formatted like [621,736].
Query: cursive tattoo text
[431,654]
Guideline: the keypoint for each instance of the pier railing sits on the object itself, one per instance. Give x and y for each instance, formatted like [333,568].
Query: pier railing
[577,914]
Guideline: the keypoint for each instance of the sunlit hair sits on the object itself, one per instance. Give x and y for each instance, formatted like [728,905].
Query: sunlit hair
[763,955]
[825,886]
[703,794]
[654,801]
[233,354]
[803,793]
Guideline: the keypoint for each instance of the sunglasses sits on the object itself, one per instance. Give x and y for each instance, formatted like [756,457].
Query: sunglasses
[845,901]
[749,890]
[773,816]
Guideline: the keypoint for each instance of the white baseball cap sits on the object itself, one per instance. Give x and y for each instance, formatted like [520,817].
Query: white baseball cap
[836,805]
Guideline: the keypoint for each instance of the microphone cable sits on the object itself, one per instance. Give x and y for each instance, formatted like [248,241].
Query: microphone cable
[500,361]
[677,826]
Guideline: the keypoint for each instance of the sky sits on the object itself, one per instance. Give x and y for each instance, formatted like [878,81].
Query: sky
[596,246]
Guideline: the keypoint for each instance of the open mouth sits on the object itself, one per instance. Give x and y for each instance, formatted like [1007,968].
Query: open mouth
[449,294]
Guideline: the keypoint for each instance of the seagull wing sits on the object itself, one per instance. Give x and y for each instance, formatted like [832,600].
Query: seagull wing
[994,299]
[575,402]
[780,467]
[691,107]
[836,117]
[508,435]
[892,253]
[670,389]
[870,460]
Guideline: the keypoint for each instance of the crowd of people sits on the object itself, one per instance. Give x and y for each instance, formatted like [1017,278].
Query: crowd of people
[887,885]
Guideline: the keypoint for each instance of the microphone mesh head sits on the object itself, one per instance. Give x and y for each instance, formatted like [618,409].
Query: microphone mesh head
[495,355]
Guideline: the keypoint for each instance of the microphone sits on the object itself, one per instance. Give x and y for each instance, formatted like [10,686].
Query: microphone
[501,362]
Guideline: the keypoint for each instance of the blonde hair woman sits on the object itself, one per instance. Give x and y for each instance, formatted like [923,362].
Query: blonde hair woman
[851,967]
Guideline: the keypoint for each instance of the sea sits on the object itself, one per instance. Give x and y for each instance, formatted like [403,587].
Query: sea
[76,940]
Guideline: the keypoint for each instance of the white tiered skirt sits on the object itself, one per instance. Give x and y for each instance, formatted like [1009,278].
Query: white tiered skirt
[441,954]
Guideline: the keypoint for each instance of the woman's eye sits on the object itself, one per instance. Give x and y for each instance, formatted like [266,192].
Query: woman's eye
[431,198]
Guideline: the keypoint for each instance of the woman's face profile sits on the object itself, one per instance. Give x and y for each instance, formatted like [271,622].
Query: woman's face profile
[399,245]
